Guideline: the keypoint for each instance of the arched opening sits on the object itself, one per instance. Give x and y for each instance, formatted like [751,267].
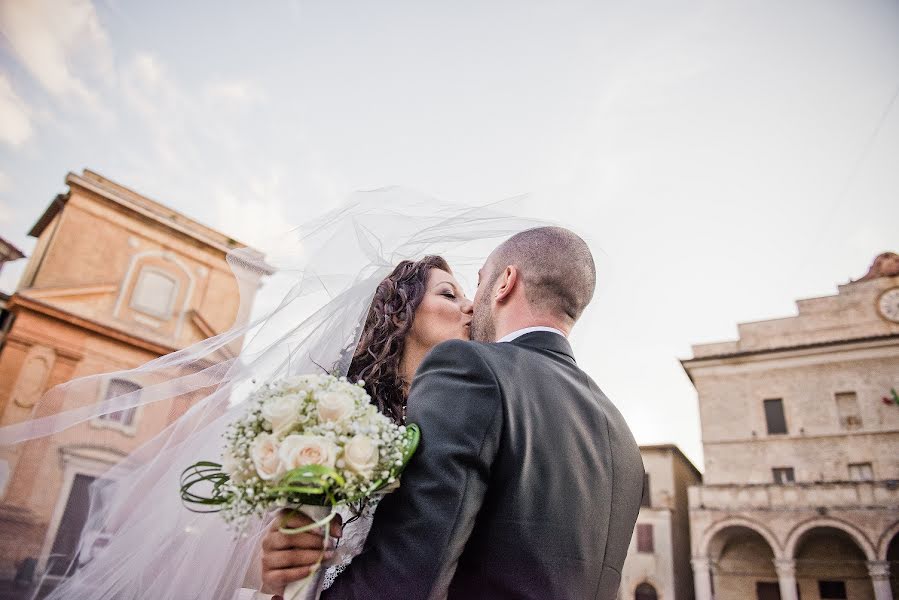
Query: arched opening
[830,564]
[893,558]
[645,591]
[744,563]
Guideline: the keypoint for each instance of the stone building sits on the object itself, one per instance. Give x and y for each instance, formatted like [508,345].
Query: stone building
[800,429]
[114,281]
[8,253]
[658,560]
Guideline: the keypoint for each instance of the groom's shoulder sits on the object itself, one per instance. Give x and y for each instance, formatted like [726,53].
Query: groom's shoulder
[469,348]
[465,356]
[457,361]
[457,349]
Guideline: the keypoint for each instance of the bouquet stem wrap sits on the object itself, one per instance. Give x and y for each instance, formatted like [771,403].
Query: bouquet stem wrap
[309,588]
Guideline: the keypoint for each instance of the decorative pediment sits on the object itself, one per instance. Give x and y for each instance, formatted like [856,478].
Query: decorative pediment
[87,455]
[885,265]
[8,252]
[71,291]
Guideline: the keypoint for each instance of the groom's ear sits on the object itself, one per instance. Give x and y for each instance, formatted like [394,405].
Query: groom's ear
[508,280]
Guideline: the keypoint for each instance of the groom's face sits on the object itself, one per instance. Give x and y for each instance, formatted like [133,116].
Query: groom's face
[483,329]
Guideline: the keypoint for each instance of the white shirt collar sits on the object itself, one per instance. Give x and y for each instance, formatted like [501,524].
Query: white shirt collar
[517,334]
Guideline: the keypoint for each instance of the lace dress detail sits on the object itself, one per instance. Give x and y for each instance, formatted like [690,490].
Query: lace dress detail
[352,542]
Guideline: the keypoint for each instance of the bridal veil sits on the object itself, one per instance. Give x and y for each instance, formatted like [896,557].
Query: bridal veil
[139,541]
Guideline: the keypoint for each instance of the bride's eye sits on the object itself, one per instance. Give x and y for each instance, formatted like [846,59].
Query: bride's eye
[449,295]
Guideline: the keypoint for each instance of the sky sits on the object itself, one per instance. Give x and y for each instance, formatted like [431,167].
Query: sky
[723,159]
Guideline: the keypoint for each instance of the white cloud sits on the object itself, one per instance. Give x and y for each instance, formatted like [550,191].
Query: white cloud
[5,213]
[164,109]
[240,93]
[15,119]
[256,215]
[60,42]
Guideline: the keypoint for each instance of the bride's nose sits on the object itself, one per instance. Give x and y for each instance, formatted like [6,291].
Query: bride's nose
[468,307]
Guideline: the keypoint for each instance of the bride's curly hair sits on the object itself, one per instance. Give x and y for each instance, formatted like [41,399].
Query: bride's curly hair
[380,349]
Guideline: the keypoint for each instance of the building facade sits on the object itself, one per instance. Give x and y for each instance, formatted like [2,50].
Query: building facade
[8,253]
[800,430]
[657,566]
[115,280]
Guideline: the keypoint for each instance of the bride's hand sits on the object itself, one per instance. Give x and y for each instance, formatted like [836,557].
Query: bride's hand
[291,557]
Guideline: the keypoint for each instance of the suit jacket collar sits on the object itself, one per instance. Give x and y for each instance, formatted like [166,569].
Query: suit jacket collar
[545,340]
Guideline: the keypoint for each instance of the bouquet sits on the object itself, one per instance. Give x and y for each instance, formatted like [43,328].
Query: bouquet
[307,442]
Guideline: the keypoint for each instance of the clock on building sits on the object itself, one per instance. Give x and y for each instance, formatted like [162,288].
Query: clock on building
[888,305]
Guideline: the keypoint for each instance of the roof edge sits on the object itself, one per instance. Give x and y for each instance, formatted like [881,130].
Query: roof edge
[676,449]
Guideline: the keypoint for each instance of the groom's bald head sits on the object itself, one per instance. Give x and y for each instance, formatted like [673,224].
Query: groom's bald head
[556,266]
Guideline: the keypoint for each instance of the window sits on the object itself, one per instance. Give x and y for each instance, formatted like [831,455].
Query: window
[646,500]
[65,542]
[783,475]
[644,538]
[861,472]
[767,590]
[119,387]
[847,409]
[832,590]
[645,591]
[774,416]
[154,293]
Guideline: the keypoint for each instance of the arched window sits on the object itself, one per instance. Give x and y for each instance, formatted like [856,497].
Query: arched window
[155,293]
[120,387]
[645,591]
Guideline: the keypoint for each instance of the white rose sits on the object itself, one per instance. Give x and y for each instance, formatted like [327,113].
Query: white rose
[302,450]
[264,452]
[361,455]
[281,412]
[334,407]
[232,467]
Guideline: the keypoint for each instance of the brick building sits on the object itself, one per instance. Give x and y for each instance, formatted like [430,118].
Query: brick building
[800,431]
[8,253]
[114,281]
[658,560]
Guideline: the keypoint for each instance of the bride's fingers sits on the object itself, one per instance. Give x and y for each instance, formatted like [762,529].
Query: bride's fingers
[337,527]
[290,520]
[273,582]
[291,559]
[276,540]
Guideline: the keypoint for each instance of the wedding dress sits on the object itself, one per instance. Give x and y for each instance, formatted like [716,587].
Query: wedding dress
[140,541]
[355,532]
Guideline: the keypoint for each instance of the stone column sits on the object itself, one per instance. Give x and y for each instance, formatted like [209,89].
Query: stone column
[702,578]
[879,570]
[786,578]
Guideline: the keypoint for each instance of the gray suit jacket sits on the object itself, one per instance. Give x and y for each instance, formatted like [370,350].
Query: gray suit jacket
[526,484]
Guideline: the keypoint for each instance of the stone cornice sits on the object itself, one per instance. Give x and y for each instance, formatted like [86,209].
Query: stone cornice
[102,191]
[795,438]
[789,352]
[19,301]
[830,495]
[894,337]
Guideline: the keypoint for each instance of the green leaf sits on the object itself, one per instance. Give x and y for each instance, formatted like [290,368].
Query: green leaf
[314,474]
[199,473]
[413,437]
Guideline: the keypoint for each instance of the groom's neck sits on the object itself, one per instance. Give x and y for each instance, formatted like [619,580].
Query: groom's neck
[523,318]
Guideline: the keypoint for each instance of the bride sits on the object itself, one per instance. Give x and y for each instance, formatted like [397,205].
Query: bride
[419,305]
[369,297]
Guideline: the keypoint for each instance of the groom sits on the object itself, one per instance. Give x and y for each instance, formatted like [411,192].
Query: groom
[527,482]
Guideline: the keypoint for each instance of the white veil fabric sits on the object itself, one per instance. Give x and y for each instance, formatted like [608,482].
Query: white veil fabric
[139,540]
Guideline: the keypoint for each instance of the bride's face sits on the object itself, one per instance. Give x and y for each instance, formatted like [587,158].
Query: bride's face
[444,313]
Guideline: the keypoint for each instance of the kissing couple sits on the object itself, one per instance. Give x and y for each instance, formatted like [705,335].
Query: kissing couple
[527,481]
